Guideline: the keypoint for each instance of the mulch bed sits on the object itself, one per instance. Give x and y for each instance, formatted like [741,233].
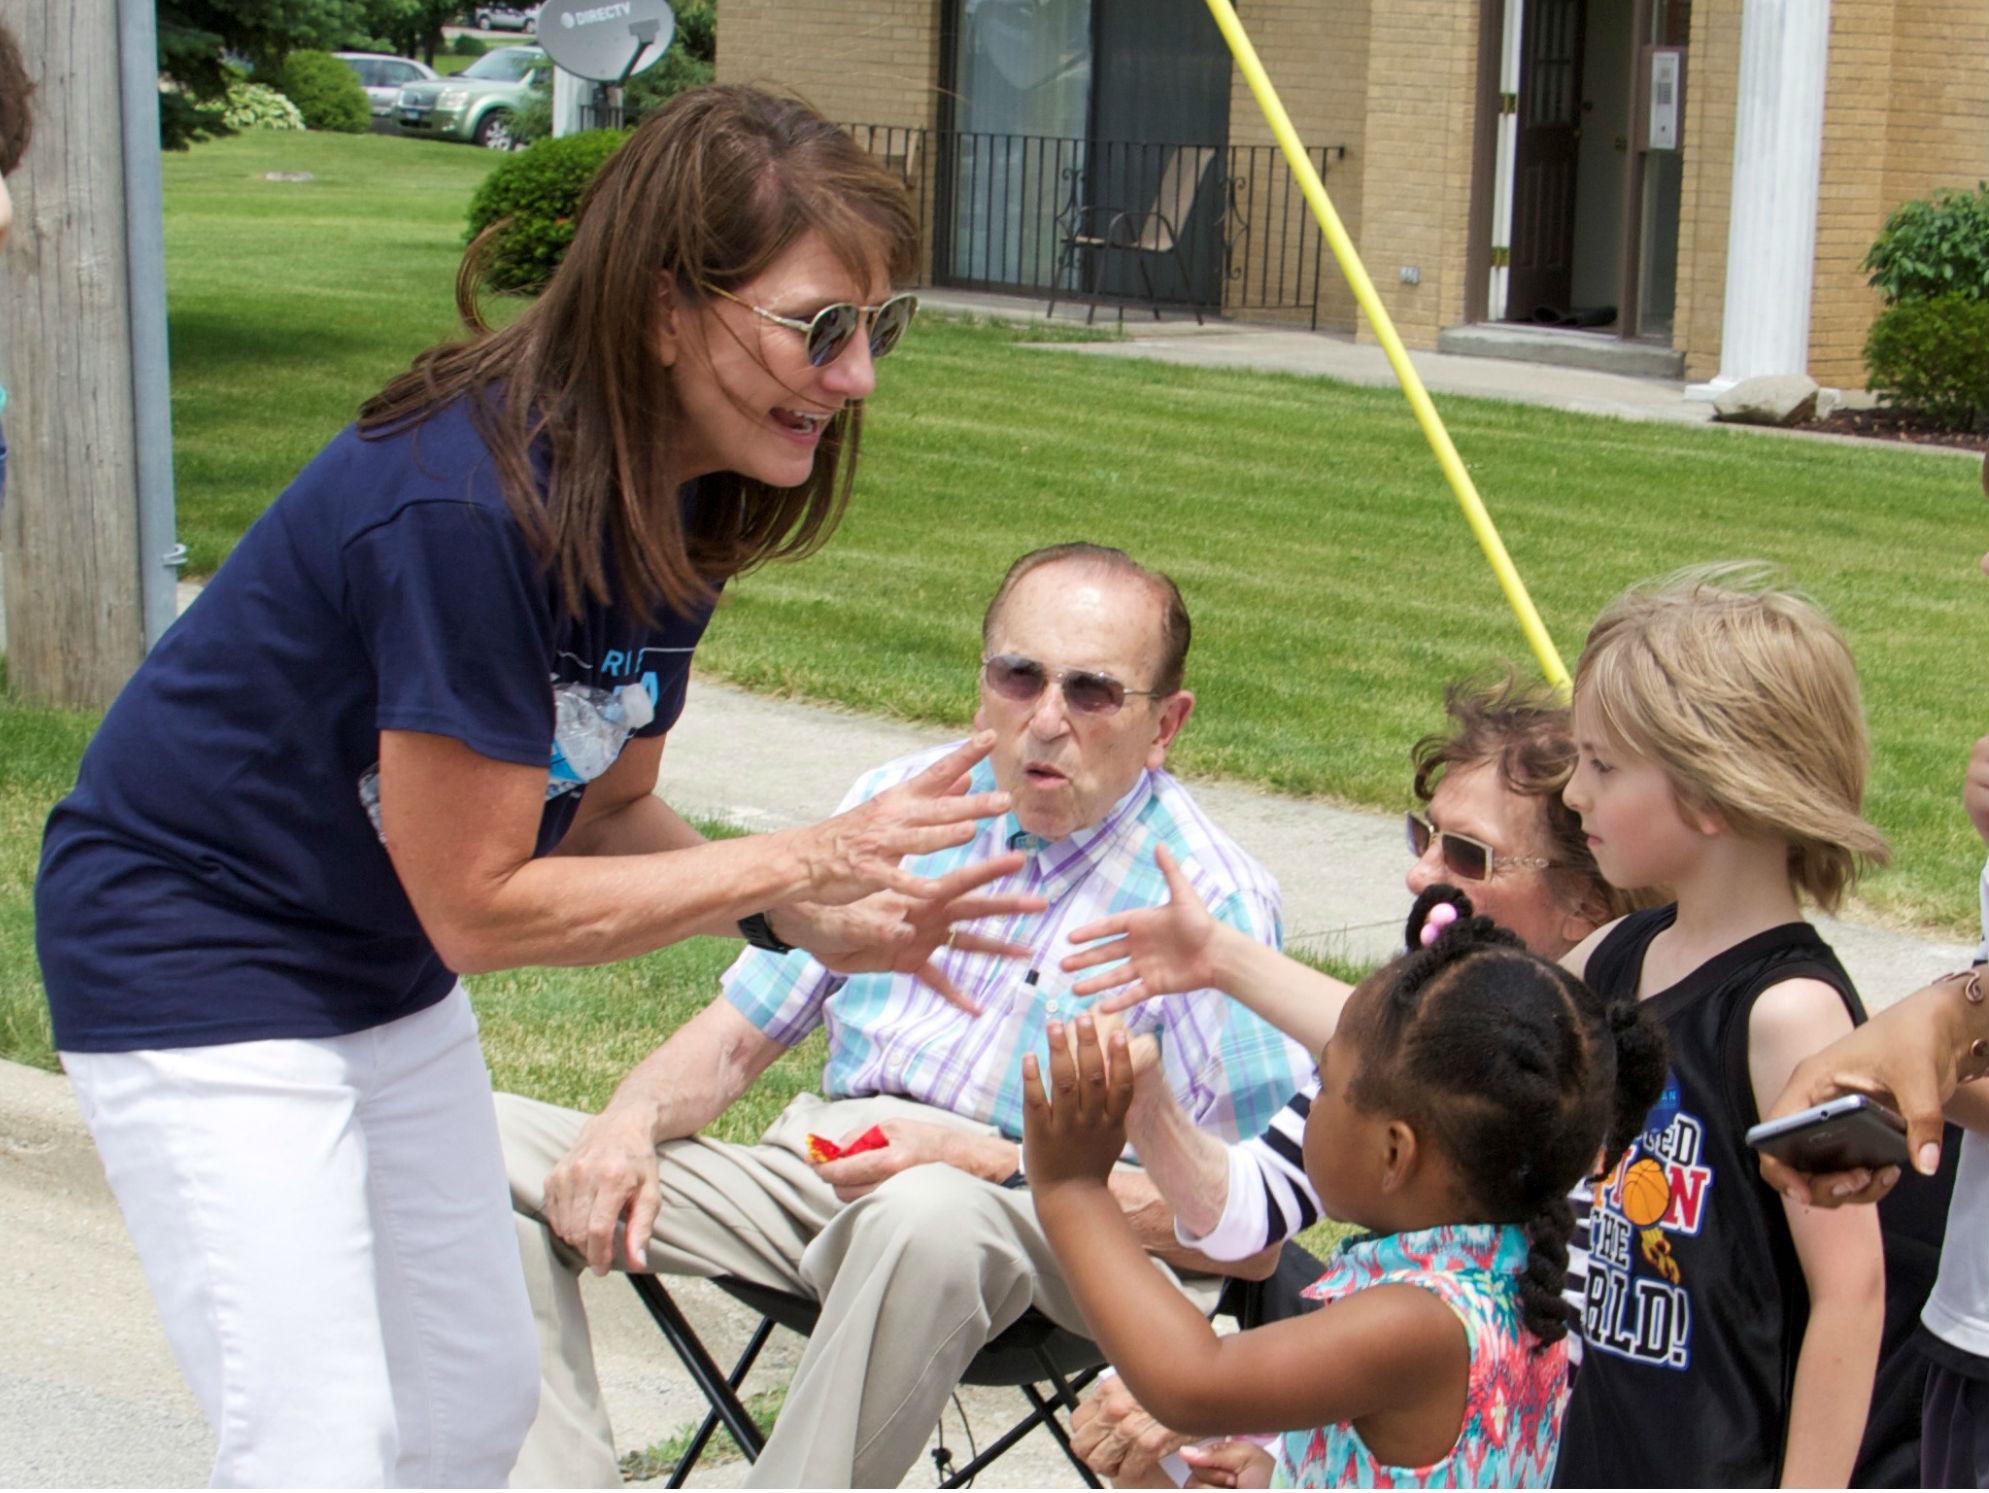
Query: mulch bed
[1894,425]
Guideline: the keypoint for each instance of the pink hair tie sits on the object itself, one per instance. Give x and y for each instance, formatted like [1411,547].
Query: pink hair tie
[1439,918]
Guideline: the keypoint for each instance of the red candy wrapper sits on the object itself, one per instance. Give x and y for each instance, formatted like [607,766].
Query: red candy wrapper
[821,1148]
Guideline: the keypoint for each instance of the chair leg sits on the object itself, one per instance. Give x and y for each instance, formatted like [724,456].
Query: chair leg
[737,1377]
[1043,1412]
[719,1392]
[1188,285]
[1152,298]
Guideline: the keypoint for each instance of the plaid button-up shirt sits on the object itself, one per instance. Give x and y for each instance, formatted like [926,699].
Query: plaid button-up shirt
[888,1034]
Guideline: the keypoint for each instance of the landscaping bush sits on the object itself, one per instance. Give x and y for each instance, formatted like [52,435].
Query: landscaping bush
[466,45]
[1934,248]
[536,194]
[257,106]
[1931,356]
[326,92]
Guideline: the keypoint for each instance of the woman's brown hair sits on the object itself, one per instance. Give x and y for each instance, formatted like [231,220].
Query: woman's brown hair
[1524,731]
[16,123]
[708,192]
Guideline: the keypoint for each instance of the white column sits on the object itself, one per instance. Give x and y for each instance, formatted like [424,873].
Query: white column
[569,94]
[1777,161]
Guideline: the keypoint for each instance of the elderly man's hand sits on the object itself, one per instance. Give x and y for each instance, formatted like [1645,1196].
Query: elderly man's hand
[1907,1055]
[609,1174]
[916,1143]
[1116,1438]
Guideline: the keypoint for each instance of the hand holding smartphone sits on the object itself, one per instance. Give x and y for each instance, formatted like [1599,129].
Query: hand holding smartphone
[1839,1135]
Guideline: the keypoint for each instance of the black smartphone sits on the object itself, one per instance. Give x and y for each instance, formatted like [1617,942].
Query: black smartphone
[1837,1135]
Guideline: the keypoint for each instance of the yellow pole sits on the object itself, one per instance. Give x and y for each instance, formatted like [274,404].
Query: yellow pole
[1384,330]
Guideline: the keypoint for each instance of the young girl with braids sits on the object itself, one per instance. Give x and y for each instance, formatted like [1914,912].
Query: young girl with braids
[1467,1087]
[1729,1335]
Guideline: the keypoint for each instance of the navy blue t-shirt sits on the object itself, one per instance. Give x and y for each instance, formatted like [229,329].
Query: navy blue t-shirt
[215,875]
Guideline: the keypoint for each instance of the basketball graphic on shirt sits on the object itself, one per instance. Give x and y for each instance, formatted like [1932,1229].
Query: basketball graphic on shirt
[1645,1193]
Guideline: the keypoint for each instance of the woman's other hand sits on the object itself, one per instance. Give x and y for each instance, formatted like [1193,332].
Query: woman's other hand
[1116,1438]
[1229,1464]
[1165,950]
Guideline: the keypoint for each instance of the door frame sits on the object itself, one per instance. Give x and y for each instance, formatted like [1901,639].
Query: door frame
[1484,169]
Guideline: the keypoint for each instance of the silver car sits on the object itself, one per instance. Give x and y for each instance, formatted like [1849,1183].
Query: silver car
[477,103]
[383,77]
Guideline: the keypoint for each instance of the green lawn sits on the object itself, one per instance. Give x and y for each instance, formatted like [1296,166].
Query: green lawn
[1333,584]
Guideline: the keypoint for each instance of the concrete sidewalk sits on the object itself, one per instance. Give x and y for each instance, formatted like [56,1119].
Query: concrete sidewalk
[89,1394]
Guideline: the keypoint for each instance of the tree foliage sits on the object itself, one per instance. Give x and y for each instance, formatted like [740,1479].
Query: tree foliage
[205,44]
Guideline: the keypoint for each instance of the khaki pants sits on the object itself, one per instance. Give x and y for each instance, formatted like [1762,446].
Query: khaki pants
[914,1279]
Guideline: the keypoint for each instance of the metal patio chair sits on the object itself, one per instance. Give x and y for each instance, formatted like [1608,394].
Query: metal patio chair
[1099,233]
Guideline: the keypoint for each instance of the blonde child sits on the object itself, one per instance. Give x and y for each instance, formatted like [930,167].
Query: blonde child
[1466,1088]
[1729,1336]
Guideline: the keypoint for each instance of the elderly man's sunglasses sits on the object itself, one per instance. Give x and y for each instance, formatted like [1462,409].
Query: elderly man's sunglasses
[1465,858]
[1086,691]
[829,330]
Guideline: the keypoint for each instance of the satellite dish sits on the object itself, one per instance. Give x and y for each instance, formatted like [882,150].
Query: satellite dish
[606,40]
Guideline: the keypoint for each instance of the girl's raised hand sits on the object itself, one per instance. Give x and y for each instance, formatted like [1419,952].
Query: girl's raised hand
[1166,950]
[1076,1130]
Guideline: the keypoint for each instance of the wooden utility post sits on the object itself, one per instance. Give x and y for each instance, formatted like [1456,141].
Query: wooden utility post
[82,356]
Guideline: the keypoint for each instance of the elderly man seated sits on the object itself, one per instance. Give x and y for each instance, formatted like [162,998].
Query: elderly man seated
[922,1251]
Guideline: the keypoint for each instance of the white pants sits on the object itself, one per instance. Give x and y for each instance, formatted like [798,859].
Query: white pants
[326,1227]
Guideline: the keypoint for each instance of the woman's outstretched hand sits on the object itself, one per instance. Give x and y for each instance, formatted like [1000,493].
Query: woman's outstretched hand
[893,931]
[1076,1129]
[1166,950]
[859,852]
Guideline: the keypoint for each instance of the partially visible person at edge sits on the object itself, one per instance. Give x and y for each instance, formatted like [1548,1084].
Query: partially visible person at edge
[1494,825]
[1928,1055]
[16,126]
[921,1251]
[411,730]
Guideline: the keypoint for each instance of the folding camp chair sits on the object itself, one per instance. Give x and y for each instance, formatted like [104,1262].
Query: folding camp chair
[1048,1364]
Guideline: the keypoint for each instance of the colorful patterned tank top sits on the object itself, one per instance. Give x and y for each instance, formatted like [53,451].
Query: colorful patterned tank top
[1513,1405]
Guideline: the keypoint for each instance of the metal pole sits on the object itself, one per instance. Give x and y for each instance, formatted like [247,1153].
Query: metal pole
[160,555]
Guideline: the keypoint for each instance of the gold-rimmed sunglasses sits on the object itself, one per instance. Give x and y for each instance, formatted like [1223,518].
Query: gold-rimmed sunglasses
[829,330]
[1465,858]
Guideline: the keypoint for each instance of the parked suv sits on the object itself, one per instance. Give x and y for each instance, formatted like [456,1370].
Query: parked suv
[478,102]
[505,18]
[383,77]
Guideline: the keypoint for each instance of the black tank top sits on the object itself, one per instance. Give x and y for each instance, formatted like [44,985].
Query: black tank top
[1694,1305]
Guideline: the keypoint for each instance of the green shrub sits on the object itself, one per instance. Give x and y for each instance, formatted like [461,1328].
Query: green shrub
[1934,248]
[257,106]
[1931,356]
[466,45]
[536,194]
[326,92]
[655,87]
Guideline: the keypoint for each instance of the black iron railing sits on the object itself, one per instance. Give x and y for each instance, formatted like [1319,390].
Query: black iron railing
[1221,228]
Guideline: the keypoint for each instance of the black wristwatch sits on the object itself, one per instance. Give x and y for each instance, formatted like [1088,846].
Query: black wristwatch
[759,933]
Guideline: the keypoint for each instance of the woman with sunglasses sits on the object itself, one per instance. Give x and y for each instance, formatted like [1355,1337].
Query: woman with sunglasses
[411,729]
[1493,824]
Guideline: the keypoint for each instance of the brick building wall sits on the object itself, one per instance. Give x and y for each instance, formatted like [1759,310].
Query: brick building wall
[1415,195]
[1317,57]
[1906,111]
[858,61]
